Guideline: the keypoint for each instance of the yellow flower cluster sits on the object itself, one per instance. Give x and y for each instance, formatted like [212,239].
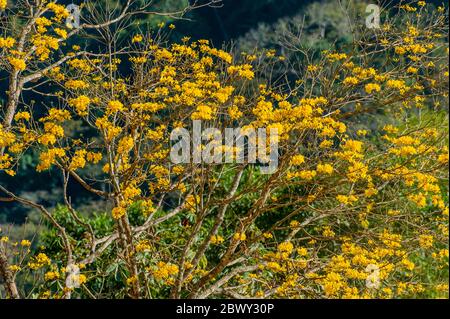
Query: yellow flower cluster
[80,104]
[48,158]
[17,63]
[142,246]
[118,212]
[7,42]
[39,261]
[243,71]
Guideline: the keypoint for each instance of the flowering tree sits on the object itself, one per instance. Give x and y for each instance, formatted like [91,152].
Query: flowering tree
[346,214]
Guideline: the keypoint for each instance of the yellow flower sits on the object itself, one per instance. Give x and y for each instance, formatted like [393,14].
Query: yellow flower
[243,71]
[14,268]
[297,160]
[327,232]
[400,50]
[25,243]
[336,56]
[165,270]
[302,252]
[94,157]
[286,247]
[51,275]
[3,4]
[326,144]
[80,104]
[419,199]
[274,266]
[362,132]
[131,280]
[126,144]
[59,10]
[412,70]
[62,33]
[80,65]
[426,241]
[216,240]
[79,160]
[346,200]
[138,60]
[240,236]
[357,171]
[325,169]
[397,84]
[307,175]
[353,146]
[18,64]
[7,42]
[48,158]
[312,68]
[294,224]
[408,264]
[443,158]
[143,245]
[115,106]
[82,279]
[268,235]
[76,84]
[203,112]
[234,112]
[270,53]
[351,80]
[22,116]
[39,261]
[332,284]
